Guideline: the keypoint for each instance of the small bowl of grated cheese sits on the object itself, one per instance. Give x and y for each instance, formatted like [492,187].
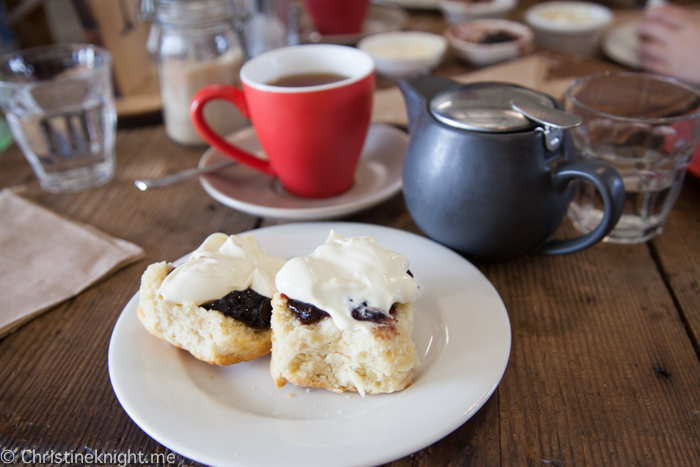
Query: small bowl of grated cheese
[569,26]
[401,54]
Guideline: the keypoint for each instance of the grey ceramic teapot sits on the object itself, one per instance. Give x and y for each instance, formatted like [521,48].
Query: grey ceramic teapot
[489,166]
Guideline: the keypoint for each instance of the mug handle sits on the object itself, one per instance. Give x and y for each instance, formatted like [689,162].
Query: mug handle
[611,188]
[237,98]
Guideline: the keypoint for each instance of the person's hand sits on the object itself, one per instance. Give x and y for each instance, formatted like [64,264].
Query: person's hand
[670,42]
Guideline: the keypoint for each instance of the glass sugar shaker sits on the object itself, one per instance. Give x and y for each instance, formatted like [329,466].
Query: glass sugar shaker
[197,46]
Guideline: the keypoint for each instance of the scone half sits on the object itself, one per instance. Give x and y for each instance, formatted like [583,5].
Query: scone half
[322,355]
[208,335]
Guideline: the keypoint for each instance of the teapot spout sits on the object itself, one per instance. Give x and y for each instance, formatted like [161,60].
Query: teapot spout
[419,90]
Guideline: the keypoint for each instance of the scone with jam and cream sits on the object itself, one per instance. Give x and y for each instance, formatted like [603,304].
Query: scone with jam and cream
[216,305]
[343,317]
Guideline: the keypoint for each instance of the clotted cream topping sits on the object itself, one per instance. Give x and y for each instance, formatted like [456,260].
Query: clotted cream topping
[346,273]
[221,265]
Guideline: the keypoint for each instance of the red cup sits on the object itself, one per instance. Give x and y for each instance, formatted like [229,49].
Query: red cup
[337,16]
[312,135]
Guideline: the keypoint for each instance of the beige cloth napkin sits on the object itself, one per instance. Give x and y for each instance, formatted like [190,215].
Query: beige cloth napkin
[46,259]
[531,72]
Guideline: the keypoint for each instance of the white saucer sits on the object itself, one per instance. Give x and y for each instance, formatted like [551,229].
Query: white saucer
[234,416]
[378,178]
[622,45]
[380,18]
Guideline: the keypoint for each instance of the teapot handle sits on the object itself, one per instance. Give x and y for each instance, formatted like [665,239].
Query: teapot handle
[612,190]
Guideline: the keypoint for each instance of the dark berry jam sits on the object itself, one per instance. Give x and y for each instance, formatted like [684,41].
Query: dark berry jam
[497,37]
[367,313]
[309,314]
[306,312]
[246,306]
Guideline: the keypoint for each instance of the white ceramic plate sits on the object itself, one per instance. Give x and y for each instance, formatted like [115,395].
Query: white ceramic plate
[380,18]
[234,416]
[378,178]
[621,44]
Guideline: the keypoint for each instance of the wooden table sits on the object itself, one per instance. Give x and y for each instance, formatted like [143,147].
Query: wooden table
[604,366]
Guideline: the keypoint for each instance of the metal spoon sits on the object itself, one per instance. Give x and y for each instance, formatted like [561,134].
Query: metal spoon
[183,176]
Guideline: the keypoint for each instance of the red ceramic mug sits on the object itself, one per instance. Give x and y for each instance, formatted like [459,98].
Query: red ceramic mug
[312,134]
[337,16]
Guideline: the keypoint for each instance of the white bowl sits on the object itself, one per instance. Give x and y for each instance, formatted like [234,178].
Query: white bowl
[458,11]
[569,26]
[466,40]
[404,53]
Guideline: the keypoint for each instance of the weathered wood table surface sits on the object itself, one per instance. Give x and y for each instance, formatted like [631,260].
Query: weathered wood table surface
[604,366]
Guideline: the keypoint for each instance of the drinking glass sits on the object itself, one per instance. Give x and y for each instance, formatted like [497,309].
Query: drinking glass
[266,25]
[647,126]
[59,104]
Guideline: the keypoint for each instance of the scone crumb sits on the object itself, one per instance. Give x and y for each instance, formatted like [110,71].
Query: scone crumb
[289,394]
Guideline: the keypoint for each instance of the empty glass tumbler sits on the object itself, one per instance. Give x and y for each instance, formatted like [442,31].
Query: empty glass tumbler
[647,126]
[59,104]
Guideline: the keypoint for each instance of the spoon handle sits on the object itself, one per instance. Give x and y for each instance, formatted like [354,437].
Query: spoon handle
[183,176]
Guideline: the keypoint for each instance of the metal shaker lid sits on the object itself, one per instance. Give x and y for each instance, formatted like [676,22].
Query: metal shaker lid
[488,107]
[185,12]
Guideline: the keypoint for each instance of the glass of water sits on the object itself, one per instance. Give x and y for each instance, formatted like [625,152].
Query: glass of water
[59,104]
[647,126]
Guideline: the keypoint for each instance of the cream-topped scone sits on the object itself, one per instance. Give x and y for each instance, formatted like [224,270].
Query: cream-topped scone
[343,317]
[216,305]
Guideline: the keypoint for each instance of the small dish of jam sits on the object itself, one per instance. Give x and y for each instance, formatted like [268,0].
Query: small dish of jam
[488,41]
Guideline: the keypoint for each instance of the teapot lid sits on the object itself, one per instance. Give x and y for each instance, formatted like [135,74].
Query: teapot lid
[488,107]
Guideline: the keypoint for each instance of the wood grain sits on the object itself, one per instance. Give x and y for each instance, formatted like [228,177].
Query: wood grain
[678,249]
[597,343]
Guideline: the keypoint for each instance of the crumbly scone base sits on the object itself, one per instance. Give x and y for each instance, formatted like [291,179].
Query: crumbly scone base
[207,334]
[321,355]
